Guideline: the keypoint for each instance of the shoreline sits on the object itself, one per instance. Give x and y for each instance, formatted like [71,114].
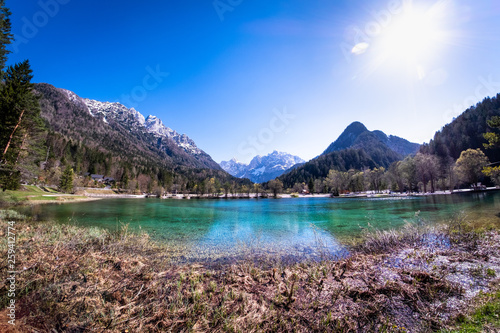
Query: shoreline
[83,196]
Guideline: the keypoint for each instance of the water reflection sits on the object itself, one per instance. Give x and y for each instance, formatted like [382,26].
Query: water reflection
[310,226]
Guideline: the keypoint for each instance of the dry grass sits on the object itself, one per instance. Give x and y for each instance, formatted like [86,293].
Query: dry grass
[78,280]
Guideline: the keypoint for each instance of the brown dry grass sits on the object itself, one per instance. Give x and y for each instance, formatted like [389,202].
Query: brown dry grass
[78,280]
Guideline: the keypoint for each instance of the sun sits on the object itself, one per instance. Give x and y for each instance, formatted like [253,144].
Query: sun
[410,40]
[413,37]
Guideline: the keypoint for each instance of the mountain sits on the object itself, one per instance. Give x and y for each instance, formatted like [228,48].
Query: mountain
[234,167]
[111,139]
[262,168]
[356,148]
[466,131]
[356,135]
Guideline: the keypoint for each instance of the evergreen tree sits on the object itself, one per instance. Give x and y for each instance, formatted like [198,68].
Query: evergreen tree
[19,109]
[492,137]
[20,118]
[310,185]
[66,183]
[5,33]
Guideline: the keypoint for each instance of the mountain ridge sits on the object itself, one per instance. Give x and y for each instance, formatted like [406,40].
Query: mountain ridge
[355,148]
[151,133]
[356,134]
[262,168]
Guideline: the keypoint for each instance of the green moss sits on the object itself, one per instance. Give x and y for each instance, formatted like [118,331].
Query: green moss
[487,315]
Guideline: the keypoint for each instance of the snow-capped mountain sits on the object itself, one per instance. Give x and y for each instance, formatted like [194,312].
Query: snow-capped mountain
[122,131]
[234,167]
[262,168]
[133,118]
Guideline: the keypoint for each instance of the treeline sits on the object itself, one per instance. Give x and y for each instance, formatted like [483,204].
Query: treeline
[464,153]
[126,175]
[419,173]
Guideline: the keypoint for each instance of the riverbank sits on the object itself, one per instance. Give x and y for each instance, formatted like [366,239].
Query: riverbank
[87,279]
[35,195]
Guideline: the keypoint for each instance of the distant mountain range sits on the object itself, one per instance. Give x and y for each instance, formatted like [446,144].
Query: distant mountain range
[262,168]
[356,148]
[111,139]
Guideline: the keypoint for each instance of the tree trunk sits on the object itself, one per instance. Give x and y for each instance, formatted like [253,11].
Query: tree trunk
[12,135]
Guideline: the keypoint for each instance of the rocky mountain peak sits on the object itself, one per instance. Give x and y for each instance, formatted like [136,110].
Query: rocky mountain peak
[262,168]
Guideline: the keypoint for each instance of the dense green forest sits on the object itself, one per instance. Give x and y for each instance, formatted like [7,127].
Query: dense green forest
[466,131]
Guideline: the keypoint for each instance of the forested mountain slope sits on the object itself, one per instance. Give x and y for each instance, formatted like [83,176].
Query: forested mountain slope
[356,148]
[110,139]
[466,131]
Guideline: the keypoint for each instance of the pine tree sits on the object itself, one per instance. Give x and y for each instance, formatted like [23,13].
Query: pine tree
[5,33]
[20,119]
[66,183]
[492,137]
[19,109]
[310,185]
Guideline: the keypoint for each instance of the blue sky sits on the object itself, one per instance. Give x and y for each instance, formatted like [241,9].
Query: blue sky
[245,77]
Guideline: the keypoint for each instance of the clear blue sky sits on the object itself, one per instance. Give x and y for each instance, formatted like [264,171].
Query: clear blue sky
[404,67]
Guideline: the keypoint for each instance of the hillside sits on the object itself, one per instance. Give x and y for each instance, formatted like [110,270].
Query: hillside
[466,131]
[108,138]
[356,148]
[357,136]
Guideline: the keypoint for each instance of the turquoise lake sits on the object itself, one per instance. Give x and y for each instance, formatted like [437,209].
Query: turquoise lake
[300,227]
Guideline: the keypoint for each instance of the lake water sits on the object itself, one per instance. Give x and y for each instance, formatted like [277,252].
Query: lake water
[300,227]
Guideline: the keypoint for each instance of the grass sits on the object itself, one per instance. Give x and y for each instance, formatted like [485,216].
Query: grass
[486,318]
[33,194]
[88,279]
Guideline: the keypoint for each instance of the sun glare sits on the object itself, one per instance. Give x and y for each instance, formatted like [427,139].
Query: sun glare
[412,39]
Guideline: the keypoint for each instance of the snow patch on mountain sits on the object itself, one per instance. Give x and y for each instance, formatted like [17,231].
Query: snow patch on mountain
[234,167]
[259,171]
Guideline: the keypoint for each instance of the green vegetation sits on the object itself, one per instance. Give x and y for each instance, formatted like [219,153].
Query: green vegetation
[67,179]
[486,318]
[32,194]
[470,164]
[493,138]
